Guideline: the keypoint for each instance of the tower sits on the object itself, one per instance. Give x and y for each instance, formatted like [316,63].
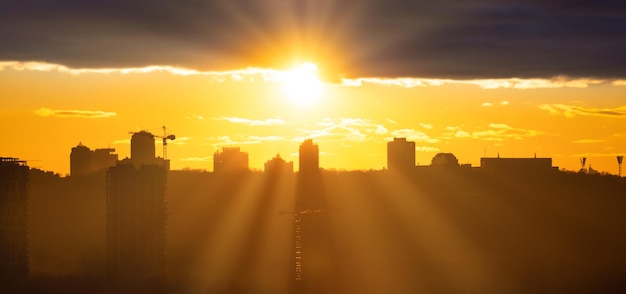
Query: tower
[400,155]
[14,253]
[313,239]
[136,215]
[620,158]
[308,157]
[80,160]
[142,150]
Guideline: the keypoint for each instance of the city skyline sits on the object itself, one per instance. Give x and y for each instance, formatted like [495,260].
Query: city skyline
[515,78]
[400,153]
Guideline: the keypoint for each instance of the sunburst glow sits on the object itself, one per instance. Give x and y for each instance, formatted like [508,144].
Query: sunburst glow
[302,84]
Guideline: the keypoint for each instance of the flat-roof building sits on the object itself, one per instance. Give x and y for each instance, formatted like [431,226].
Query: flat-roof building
[308,157]
[400,155]
[14,254]
[231,159]
[136,215]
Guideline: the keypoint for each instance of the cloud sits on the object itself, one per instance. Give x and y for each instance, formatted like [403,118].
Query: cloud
[571,111]
[195,117]
[252,122]
[499,132]
[486,104]
[242,140]
[258,74]
[267,138]
[426,149]
[197,159]
[391,121]
[414,135]
[489,84]
[398,38]
[588,141]
[346,129]
[250,74]
[426,126]
[493,132]
[462,134]
[47,112]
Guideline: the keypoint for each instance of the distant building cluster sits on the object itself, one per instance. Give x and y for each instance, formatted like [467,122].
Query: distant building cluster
[231,159]
[84,161]
[401,158]
[278,165]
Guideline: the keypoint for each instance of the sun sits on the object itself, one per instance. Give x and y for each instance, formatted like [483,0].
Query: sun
[302,85]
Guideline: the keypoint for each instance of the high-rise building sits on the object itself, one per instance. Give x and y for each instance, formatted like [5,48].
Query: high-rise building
[231,159]
[278,165]
[14,253]
[312,252]
[103,158]
[84,161]
[308,156]
[136,216]
[400,155]
[80,160]
[142,150]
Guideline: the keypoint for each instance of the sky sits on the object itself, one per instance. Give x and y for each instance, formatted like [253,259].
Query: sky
[475,78]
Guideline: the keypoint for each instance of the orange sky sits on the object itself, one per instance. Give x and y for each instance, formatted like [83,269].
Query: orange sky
[48,109]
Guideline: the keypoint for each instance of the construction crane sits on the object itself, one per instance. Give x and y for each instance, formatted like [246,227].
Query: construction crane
[165,137]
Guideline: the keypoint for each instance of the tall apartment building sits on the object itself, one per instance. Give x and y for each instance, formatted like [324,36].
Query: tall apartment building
[308,156]
[14,255]
[400,155]
[136,215]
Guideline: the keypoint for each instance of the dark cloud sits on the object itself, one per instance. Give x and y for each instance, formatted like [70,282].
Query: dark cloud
[452,39]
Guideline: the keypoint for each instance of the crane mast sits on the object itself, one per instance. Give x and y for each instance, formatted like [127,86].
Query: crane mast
[166,137]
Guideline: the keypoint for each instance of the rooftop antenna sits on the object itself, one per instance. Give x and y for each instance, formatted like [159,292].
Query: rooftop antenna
[583,161]
[620,158]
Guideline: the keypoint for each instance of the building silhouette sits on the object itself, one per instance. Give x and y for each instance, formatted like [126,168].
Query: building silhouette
[231,159]
[142,149]
[308,157]
[14,254]
[136,215]
[312,236]
[278,165]
[517,165]
[400,155]
[84,161]
[444,160]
